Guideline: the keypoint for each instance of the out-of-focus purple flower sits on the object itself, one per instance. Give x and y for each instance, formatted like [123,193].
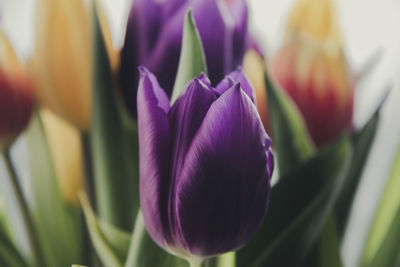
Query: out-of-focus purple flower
[205,165]
[154,35]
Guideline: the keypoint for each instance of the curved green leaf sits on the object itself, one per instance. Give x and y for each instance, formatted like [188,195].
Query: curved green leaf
[388,254]
[9,254]
[299,207]
[59,225]
[118,240]
[108,255]
[192,60]
[144,252]
[326,251]
[383,245]
[362,142]
[114,145]
[289,134]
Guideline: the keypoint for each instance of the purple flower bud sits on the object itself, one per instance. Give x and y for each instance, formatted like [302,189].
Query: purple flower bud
[205,165]
[154,35]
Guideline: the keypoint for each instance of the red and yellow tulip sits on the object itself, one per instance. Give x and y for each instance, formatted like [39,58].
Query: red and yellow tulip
[311,66]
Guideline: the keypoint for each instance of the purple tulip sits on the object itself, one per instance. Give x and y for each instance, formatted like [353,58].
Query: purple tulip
[154,35]
[205,165]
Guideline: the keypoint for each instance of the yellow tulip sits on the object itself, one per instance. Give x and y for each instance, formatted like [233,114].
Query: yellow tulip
[311,66]
[63,60]
[66,153]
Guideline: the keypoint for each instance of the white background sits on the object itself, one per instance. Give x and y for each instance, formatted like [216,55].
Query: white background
[367,25]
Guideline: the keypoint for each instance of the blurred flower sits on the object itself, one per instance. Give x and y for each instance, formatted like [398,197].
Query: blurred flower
[62,62]
[205,165]
[66,153]
[16,95]
[154,35]
[312,68]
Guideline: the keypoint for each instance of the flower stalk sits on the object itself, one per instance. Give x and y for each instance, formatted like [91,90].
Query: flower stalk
[23,207]
[195,262]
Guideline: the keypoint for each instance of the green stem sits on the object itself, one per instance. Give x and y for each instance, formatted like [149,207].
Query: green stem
[195,262]
[23,207]
[88,168]
[88,255]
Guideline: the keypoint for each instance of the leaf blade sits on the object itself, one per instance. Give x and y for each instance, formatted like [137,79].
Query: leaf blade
[385,230]
[290,137]
[145,253]
[192,60]
[105,252]
[299,208]
[114,146]
[56,221]
[362,142]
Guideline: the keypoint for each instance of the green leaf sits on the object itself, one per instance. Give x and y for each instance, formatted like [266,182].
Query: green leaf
[289,134]
[362,142]
[192,60]
[326,252]
[227,259]
[300,205]
[144,252]
[3,220]
[329,246]
[382,247]
[9,254]
[59,224]
[114,145]
[388,254]
[109,255]
[118,239]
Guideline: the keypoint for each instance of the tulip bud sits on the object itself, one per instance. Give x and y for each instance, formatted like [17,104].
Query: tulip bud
[66,152]
[154,35]
[205,165]
[16,95]
[312,68]
[62,62]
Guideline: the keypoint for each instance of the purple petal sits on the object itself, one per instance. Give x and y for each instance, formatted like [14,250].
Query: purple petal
[185,118]
[216,32]
[271,163]
[164,58]
[170,7]
[222,192]
[254,44]
[238,9]
[141,34]
[146,15]
[163,100]
[154,155]
[204,79]
[238,76]
[224,85]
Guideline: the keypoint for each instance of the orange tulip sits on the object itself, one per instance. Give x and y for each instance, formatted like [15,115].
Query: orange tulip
[312,68]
